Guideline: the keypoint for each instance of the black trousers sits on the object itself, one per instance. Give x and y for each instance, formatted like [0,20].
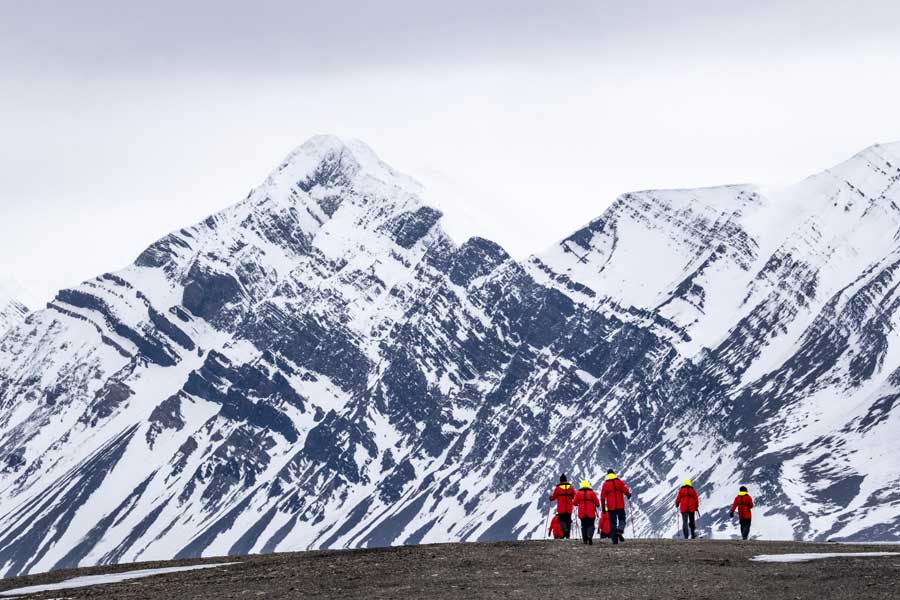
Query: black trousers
[687,524]
[745,528]
[616,524]
[565,523]
[587,529]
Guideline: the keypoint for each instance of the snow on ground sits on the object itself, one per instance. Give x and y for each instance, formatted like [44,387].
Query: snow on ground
[808,556]
[90,580]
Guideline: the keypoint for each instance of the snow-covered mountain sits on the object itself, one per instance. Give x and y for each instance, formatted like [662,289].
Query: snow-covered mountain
[12,311]
[321,366]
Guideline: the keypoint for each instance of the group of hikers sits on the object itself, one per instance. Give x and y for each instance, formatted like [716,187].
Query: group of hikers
[611,505]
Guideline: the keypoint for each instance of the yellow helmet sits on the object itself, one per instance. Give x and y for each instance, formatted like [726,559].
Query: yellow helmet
[688,482]
[610,476]
[585,483]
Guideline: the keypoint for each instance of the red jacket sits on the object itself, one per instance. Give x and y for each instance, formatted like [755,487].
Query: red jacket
[563,494]
[612,494]
[604,523]
[587,503]
[555,528]
[687,500]
[743,503]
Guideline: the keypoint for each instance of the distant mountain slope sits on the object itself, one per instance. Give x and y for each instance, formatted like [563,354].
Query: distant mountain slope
[319,365]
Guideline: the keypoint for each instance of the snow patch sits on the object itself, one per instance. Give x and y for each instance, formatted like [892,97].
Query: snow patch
[91,580]
[808,556]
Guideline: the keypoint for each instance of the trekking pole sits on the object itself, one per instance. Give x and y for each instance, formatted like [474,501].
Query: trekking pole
[547,524]
[573,517]
[678,524]
[632,519]
[574,514]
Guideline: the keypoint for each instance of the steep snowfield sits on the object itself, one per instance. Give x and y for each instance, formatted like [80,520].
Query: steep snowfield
[319,365]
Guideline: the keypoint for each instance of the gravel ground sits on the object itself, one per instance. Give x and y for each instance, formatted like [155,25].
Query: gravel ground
[642,569]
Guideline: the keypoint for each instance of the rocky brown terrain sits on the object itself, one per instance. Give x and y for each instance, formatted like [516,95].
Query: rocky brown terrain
[537,569]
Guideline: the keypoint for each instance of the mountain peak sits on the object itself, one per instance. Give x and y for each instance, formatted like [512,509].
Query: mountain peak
[892,148]
[879,157]
[328,160]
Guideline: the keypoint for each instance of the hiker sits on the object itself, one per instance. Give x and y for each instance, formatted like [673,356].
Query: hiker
[612,498]
[555,530]
[744,505]
[604,524]
[563,494]
[587,503]
[688,503]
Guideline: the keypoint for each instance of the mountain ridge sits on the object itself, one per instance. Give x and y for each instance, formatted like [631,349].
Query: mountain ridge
[320,365]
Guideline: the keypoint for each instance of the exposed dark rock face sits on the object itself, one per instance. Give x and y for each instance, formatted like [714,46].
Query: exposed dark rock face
[409,227]
[207,293]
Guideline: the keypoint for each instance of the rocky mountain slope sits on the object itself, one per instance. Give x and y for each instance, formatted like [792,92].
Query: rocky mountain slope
[320,366]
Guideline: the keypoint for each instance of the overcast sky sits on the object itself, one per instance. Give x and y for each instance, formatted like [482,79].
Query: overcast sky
[121,121]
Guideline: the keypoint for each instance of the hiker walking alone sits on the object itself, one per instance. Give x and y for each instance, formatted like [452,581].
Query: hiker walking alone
[587,502]
[564,494]
[744,505]
[612,498]
[688,503]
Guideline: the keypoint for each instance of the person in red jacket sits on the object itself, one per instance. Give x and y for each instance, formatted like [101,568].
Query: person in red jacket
[555,530]
[743,503]
[688,503]
[564,494]
[612,498]
[604,524]
[587,502]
